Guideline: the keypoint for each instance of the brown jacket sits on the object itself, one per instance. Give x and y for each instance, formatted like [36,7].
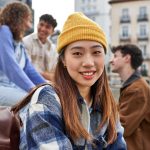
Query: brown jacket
[134,105]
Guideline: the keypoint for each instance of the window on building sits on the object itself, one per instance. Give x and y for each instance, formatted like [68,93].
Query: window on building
[125,13]
[125,16]
[144,50]
[143,11]
[142,30]
[125,32]
[143,14]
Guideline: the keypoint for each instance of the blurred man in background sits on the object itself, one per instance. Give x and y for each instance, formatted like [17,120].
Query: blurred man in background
[134,101]
[40,49]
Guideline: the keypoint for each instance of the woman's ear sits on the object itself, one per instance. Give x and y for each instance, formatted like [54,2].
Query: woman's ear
[63,61]
[62,56]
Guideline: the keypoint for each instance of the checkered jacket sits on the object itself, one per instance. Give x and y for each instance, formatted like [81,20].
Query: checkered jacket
[44,129]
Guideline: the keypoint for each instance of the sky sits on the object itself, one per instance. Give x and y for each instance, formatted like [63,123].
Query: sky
[59,9]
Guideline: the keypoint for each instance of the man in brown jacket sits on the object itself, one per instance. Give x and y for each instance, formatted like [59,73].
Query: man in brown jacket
[134,101]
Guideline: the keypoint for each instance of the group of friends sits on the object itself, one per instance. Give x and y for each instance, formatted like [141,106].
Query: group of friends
[77,111]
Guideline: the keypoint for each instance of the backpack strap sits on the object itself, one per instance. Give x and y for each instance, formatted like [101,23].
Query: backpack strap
[27,98]
[35,96]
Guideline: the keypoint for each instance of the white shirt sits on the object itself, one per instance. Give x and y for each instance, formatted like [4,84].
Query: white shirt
[43,56]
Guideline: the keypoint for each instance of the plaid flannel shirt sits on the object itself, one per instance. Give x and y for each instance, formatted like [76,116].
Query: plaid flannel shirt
[44,129]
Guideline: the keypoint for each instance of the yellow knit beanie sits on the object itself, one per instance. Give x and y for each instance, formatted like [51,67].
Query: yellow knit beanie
[79,27]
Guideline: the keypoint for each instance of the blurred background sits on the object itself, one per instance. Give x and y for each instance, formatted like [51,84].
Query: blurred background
[124,21]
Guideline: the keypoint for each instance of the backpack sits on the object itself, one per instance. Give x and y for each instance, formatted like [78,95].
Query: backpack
[10,123]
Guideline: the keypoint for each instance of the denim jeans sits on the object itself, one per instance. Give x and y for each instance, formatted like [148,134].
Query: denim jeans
[10,95]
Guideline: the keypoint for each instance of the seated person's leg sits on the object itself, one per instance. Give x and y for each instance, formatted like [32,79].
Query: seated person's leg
[11,95]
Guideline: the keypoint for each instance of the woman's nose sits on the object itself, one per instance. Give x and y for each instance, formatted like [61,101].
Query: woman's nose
[88,61]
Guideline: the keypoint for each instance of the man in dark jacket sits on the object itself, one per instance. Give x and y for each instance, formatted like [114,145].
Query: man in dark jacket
[134,101]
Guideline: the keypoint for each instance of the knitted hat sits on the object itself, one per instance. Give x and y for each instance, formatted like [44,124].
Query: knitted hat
[79,27]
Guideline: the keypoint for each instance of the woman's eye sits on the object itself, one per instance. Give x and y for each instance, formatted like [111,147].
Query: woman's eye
[97,52]
[77,53]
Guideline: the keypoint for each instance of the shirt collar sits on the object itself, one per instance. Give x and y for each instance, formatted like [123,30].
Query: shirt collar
[93,108]
[136,75]
[35,37]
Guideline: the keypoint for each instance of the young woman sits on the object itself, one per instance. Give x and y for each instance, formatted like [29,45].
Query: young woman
[17,75]
[78,111]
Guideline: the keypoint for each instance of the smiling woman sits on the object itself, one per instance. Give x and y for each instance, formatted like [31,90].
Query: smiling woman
[78,111]
[59,9]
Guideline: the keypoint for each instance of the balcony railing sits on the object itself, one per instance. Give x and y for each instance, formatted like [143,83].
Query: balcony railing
[125,38]
[143,17]
[125,19]
[142,37]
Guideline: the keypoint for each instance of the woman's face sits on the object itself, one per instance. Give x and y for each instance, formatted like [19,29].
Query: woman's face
[84,61]
[28,23]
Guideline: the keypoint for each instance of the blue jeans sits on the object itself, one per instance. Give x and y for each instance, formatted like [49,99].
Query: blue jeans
[10,95]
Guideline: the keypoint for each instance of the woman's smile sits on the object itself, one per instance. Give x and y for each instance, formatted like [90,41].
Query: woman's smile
[88,74]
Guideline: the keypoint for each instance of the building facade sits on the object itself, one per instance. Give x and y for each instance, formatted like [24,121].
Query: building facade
[130,23]
[98,11]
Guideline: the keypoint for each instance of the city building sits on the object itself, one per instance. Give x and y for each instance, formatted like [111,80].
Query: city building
[98,11]
[130,23]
